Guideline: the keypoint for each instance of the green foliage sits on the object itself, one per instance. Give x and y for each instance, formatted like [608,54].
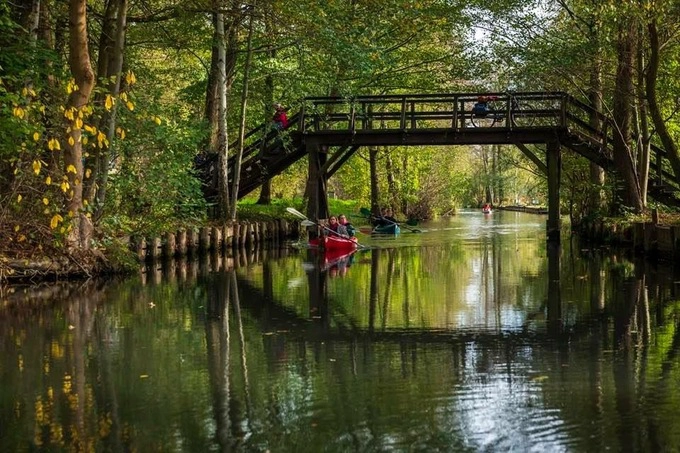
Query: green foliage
[155,188]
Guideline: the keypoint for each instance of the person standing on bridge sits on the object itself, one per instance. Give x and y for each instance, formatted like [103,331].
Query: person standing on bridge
[280,119]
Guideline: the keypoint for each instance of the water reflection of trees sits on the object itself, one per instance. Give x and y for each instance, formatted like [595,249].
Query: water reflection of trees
[96,367]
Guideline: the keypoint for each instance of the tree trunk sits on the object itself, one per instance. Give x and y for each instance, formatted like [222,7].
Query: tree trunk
[81,69]
[109,67]
[595,95]
[375,188]
[222,71]
[266,190]
[222,171]
[391,183]
[405,207]
[242,126]
[642,129]
[654,107]
[34,21]
[624,96]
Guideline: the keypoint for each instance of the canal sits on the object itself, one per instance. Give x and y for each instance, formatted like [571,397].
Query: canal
[470,335]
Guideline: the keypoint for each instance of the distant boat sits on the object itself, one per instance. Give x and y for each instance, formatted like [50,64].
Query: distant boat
[390,228]
[486,209]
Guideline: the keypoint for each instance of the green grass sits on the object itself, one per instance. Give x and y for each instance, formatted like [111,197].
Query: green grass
[250,210]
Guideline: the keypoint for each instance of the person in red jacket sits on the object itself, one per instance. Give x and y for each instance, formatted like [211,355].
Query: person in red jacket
[280,119]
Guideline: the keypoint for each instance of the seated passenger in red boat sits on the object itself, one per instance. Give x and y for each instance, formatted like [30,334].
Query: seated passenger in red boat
[349,228]
[336,227]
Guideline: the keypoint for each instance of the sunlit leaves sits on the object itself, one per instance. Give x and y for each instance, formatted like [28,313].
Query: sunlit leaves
[110,102]
[56,219]
[53,144]
[130,78]
[71,86]
[19,112]
[37,165]
[102,140]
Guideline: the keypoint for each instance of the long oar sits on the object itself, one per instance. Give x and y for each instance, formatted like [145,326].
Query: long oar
[369,214]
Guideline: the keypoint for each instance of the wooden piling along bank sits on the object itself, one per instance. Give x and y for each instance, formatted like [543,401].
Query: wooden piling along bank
[214,239]
[648,238]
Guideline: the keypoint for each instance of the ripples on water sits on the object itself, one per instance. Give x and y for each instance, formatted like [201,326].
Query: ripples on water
[470,336]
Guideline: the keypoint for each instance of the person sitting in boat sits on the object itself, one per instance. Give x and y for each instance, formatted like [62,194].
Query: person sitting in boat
[387,218]
[349,228]
[335,227]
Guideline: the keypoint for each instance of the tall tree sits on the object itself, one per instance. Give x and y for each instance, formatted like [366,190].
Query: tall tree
[83,76]
[109,74]
[222,143]
[651,77]
[244,102]
[624,100]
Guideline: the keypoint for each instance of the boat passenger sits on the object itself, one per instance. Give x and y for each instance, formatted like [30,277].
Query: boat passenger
[387,218]
[349,228]
[335,227]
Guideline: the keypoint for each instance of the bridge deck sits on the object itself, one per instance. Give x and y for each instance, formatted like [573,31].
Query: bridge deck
[341,125]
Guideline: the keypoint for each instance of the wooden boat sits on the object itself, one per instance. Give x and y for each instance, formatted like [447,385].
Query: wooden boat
[390,228]
[334,243]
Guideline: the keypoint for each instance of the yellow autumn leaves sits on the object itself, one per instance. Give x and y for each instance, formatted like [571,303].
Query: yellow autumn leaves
[78,125]
[56,219]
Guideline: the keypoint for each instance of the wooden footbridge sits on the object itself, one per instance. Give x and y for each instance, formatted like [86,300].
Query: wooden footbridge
[329,130]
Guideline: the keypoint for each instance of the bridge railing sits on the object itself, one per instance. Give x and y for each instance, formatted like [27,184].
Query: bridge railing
[457,111]
[581,118]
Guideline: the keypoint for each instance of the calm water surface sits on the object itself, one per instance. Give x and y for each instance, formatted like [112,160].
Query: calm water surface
[473,335]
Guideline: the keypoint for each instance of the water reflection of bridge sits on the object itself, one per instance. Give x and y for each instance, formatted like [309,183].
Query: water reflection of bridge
[320,322]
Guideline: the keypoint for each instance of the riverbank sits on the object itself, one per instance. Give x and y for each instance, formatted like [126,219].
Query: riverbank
[529,209]
[126,253]
[657,237]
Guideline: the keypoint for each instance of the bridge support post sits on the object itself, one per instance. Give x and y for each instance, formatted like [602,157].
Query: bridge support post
[554,164]
[317,206]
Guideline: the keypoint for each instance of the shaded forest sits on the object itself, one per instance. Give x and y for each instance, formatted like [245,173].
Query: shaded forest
[105,105]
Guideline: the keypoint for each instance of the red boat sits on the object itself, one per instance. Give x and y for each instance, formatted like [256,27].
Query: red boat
[334,243]
[335,261]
